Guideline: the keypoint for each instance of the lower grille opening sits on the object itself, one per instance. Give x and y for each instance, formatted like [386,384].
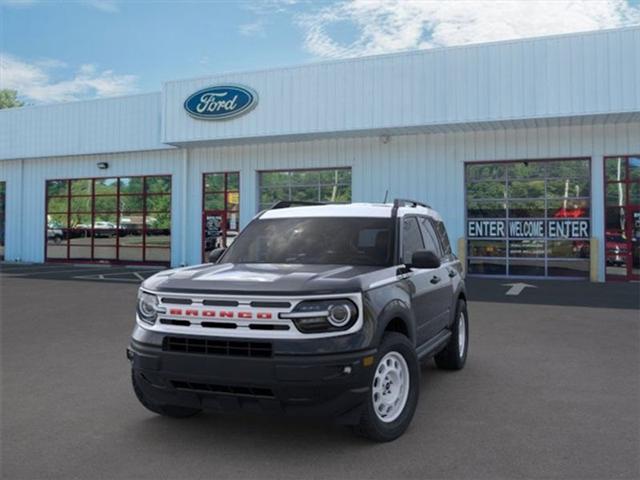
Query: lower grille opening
[218,325]
[267,326]
[181,323]
[226,389]
[207,346]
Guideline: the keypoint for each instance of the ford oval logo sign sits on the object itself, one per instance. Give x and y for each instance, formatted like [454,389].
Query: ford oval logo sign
[221,102]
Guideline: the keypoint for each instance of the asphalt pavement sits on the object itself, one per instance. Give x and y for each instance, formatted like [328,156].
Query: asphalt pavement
[549,391]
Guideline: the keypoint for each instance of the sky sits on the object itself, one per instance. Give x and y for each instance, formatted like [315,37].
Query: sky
[57,51]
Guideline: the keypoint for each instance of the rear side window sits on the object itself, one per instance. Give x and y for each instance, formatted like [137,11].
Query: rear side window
[430,237]
[444,238]
[411,238]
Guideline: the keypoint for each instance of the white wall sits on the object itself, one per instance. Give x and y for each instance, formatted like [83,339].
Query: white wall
[427,167]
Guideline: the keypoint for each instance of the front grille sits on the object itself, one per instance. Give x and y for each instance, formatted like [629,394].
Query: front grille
[217,347]
[225,389]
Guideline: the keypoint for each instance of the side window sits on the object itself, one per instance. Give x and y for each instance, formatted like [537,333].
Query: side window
[444,238]
[430,238]
[411,238]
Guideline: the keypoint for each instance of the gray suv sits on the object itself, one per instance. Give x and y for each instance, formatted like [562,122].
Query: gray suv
[322,310]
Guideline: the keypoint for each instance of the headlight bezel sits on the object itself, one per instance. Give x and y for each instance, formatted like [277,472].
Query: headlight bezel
[322,316]
[147,307]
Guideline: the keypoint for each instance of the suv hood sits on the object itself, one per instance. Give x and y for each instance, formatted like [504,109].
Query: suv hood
[265,279]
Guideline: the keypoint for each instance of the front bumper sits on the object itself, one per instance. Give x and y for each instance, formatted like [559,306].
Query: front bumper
[325,385]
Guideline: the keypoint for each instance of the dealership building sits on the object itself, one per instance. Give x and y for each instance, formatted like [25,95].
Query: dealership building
[529,149]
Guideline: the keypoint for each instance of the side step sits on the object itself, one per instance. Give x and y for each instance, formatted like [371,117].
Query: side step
[431,347]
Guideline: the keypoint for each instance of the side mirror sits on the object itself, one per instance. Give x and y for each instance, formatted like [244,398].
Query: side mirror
[215,254]
[424,259]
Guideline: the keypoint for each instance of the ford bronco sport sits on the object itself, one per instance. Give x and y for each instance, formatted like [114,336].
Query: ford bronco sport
[314,309]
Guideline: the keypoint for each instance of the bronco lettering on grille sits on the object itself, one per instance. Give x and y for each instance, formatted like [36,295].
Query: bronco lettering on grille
[245,315]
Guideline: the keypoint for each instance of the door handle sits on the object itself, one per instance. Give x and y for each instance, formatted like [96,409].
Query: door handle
[435,279]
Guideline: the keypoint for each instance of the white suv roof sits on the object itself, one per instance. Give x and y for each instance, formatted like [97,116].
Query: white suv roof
[377,210]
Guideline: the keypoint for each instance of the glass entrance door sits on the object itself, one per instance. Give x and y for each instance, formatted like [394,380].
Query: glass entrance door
[622,210]
[220,211]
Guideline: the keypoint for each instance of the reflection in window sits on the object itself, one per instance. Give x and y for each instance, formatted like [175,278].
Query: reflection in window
[329,185]
[109,219]
[522,193]
[3,187]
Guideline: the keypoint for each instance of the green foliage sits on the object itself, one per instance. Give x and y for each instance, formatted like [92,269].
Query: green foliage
[9,99]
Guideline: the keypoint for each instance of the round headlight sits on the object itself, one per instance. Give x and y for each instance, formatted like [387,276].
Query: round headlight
[339,315]
[147,307]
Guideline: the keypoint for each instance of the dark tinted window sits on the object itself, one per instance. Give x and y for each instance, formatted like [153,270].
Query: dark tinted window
[430,238]
[444,238]
[342,241]
[411,238]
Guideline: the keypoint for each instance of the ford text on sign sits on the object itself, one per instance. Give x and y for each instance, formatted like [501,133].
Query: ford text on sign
[221,102]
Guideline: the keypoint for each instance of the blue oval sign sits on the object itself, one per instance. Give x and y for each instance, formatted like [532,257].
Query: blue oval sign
[221,102]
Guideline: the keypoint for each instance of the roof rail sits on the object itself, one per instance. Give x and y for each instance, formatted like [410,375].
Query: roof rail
[293,203]
[403,202]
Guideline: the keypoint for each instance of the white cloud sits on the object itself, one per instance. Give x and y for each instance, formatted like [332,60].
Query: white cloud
[394,25]
[252,29]
[34,82]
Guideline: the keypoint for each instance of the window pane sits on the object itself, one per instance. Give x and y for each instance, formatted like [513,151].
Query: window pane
[568,188]
[269,196]
[158,184]
[106,204]
[485,190]
[56,244]
[131,203]
[158,203]
[487,248]
[305,194]
[81,187]
[526,189]
[526,209]
[571,208]
[485,171]
[130,254]
[336,194]
[615,168]
[159,221]
[634,193]
[130,238]
[615,219]
[107,221]
[568,168]
[634,168]
[274,178]
[78,252]
[57,204]
[80,220]
[57,187]
[158,238]
[214,201]
[57,220]
[526,169]
[214,182]
[233,181]
[305,177]
[487,266]
[411,239]
[81,204]
[233,200]
[568,248]
[104,252]
[486,209]
[616,194]
[526,248]
[157,255]
[526,267]
[131,185]
[106,186]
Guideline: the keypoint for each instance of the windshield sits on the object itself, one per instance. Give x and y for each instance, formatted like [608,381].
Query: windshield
[342,241]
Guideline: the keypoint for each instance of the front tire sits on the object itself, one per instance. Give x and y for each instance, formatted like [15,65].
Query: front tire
[454,355]
[395,387]
[173,411]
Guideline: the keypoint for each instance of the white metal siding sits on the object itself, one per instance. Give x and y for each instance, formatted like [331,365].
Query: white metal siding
[554,77]
[427,167]
[97,126]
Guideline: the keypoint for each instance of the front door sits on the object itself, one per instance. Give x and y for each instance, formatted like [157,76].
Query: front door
[220,210]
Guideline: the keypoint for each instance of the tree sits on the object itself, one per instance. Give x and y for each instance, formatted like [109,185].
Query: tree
[9,99]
